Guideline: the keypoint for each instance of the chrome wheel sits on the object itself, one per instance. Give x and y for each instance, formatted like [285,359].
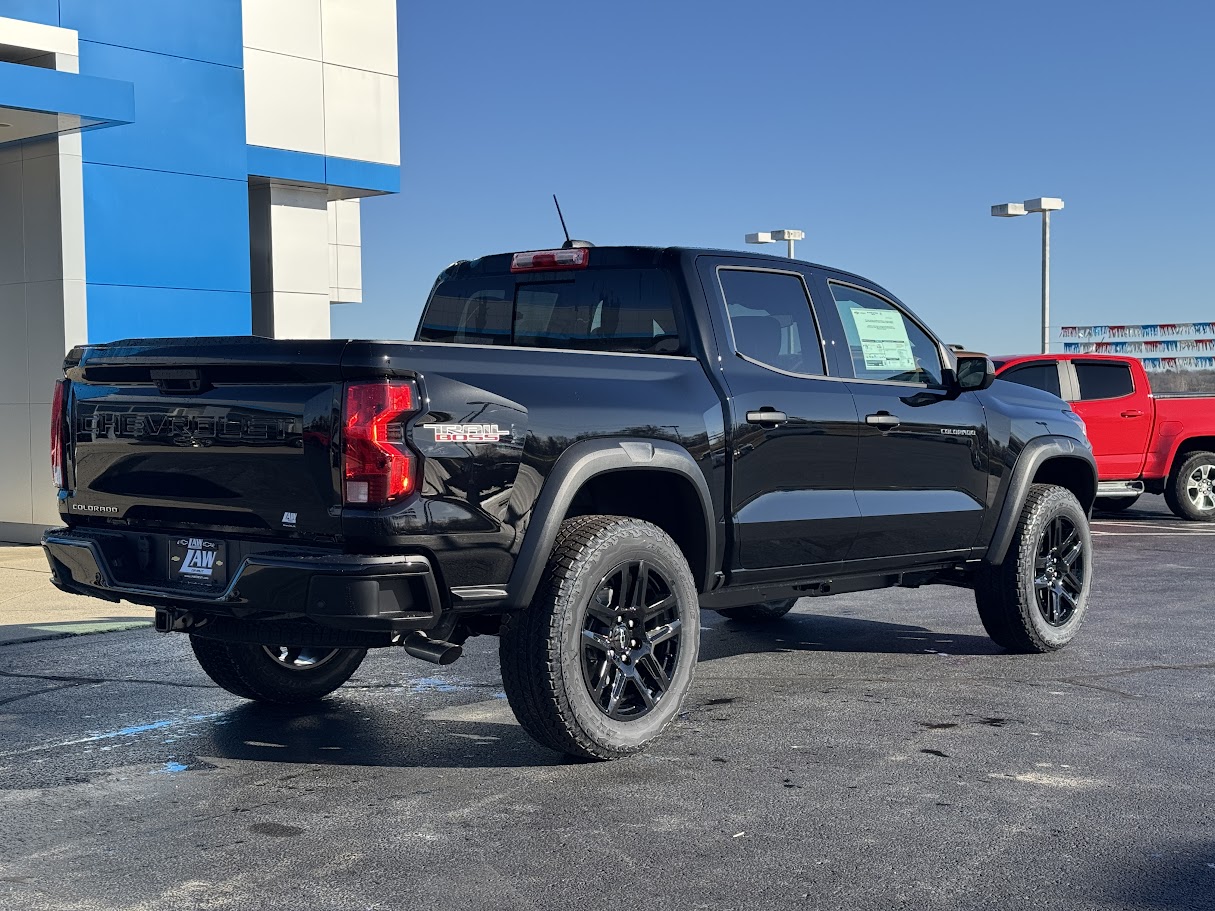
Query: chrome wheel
[1060,571]
[630,641]
[297,658]
[1200,487]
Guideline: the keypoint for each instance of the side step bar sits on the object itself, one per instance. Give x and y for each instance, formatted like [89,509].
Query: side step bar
[1119,488]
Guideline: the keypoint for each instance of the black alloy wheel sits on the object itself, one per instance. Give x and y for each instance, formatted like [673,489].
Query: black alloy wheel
[630,641]
[1060,571]
[1035,599]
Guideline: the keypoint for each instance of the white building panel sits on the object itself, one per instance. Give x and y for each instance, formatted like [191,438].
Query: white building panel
[361,34]
[15,455]
[284,102]
[362,116]
[21,40]
[291,27]
[299,231]
[14,375]
[301,315]
[44,314]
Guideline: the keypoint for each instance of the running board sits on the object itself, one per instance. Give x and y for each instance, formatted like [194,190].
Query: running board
[1119,488]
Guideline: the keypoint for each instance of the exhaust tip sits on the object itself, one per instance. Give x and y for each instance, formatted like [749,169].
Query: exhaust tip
[436,651]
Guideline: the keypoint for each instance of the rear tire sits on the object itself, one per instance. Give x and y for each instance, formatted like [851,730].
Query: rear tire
[759,613]
[276,675]
[1035,600]
[599,663]
[1115,504]
[1190,490]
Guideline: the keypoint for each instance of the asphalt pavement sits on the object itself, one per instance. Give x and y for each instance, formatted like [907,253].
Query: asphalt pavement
[869,751]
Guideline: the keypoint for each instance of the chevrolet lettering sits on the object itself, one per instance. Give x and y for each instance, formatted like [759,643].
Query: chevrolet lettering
[580,450]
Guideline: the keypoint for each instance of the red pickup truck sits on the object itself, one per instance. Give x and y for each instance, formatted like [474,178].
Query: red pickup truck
[1142,440]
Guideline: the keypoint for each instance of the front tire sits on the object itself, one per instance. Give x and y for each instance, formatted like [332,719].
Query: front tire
[278,675]
[599,663]
[1190,491]
[759,613]
[1035,600]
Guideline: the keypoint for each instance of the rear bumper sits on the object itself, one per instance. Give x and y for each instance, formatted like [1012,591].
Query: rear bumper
[357,592]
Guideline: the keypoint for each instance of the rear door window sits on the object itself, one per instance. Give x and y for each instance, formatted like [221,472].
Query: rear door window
[771,319]
[1044,376]
[630,310]
[1103,381]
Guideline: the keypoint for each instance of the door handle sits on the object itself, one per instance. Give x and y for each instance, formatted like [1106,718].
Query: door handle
[767,417]
[883,420]
[1133,413]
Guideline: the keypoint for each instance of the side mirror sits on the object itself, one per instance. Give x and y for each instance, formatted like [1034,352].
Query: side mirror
[975,372]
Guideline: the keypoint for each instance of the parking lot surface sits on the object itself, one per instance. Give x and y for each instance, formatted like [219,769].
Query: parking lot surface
[868,751]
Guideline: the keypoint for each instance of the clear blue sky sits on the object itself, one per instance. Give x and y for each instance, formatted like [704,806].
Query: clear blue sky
[884,130]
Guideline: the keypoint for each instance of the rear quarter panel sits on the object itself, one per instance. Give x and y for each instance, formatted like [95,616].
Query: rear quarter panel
[477,498]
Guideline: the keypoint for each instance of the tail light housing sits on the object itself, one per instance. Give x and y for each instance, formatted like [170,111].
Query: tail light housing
[378,467]
[59,433]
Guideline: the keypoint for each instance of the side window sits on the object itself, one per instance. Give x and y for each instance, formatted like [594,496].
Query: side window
[1104,381]
[1040,376]
[883,341]
[771,319]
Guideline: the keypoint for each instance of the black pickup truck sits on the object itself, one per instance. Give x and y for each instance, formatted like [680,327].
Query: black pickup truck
[581,449]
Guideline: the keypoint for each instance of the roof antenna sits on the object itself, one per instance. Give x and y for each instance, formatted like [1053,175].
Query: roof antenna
[569,244]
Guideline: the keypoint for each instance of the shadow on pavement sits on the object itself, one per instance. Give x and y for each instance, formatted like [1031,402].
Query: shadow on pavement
[349,734]
[827,633]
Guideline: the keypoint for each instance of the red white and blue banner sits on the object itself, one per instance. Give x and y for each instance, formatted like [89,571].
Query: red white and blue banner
[1161,346]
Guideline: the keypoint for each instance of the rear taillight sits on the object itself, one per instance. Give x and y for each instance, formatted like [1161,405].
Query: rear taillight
[59,427]
[377,466]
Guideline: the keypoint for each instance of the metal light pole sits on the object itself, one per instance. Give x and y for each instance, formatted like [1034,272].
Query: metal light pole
[1045,205]
[788,235]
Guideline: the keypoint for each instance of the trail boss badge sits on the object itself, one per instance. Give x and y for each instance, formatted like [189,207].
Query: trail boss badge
[466,433]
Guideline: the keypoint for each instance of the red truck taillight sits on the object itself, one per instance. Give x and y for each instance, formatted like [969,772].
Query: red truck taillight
[377,466]
[59,430]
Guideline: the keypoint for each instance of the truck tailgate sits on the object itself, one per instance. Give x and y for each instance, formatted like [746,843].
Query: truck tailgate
[233,433]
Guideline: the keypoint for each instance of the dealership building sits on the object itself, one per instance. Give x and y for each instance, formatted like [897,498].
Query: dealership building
[177,168]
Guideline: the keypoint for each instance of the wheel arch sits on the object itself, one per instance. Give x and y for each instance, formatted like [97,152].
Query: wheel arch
[655,481]
[1187,448]
[1054,460]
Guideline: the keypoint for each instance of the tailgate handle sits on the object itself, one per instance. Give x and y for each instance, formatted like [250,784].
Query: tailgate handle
[179,382]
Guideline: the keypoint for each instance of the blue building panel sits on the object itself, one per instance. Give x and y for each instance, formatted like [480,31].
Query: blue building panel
[45,12]
[208,30]
[161,230]
[191,115]
[117,312]
[94,100]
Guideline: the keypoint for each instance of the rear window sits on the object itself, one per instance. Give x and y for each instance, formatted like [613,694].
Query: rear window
[593,310]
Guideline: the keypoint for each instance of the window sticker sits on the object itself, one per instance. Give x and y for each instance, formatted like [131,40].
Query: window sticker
[884,341]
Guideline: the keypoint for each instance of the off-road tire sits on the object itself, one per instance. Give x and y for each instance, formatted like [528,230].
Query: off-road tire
[542,647]
[1006,595]
[1115,504]
[759,613]
[1175,489]
[249,672]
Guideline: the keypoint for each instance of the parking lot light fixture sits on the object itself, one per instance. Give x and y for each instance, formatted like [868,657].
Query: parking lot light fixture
[789,235]
[1045,205]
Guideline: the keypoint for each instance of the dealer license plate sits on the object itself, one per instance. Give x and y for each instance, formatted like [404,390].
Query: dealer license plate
[198,561]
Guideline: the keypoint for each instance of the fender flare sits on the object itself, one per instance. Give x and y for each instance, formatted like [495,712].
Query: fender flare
[1036,453]
[576,466]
